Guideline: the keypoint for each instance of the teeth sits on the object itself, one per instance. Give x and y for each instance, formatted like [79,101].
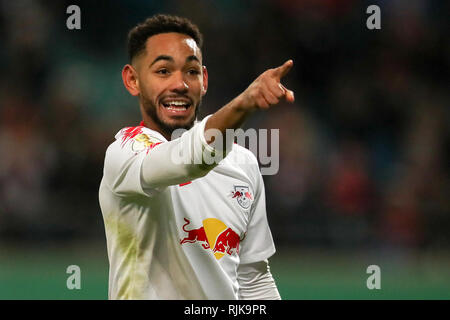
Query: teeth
[176,108]
[176,103]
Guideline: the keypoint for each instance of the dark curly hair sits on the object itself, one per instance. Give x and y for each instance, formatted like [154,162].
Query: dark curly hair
[160,23]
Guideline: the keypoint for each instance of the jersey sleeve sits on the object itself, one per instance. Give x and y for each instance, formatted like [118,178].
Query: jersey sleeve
[256,282]
[257,244]
[152,166]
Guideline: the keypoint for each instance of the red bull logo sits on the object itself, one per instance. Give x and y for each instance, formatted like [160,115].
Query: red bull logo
[195,235]
[214,235]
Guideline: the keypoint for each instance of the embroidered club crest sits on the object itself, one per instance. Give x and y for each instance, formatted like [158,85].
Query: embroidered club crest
[243,196]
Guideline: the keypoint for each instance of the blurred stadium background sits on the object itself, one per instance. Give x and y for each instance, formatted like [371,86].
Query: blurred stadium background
[364,152]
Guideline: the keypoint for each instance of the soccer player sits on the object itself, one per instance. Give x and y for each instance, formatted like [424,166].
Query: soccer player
[187,229]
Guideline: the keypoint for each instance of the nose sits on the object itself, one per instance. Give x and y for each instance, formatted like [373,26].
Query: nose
[179,84]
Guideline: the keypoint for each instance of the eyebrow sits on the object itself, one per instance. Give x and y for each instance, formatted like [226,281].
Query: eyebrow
[162,57]
[169,58]
[192,58]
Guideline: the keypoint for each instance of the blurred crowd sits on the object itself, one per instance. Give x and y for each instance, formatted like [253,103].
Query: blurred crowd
[364,151]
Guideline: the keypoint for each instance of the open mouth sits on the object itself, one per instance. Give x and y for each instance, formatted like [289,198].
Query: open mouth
[176,105]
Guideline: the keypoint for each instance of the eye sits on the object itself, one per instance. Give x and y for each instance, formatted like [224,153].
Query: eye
[162,71]
[193,72]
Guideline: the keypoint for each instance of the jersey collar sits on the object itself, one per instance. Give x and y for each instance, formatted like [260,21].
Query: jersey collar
[142,124]
[154,132]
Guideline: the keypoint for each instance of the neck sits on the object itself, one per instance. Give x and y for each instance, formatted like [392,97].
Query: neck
[148,122]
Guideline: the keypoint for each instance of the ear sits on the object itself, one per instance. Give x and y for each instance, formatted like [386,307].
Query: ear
[205,80]
[130,80]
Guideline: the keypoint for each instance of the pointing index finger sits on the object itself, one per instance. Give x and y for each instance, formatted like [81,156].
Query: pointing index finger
[283,70]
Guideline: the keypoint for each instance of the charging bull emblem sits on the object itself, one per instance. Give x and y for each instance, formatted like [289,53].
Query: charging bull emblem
[195,235]
[214,235]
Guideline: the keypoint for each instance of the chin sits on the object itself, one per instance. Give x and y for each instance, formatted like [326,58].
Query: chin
[177,121]
[168,120]
[180,123]
[168,125]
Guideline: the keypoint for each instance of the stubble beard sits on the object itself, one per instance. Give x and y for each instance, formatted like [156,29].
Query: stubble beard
[166,128]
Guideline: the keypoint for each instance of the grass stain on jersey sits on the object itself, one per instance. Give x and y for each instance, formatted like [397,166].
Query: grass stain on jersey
[127,244]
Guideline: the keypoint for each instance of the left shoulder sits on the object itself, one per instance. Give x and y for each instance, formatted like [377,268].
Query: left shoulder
[244,153]
[240,162]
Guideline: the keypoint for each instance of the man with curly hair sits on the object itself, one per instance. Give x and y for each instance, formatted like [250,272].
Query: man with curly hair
[190,229]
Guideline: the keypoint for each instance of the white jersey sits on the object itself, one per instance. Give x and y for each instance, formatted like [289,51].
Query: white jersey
[179,231]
